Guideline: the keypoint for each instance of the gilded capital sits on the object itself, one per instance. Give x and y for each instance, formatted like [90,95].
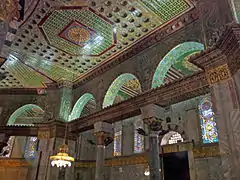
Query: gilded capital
[153,123]
[218,74]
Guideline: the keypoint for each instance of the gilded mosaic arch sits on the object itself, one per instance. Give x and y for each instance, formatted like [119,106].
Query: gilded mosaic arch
[30,110]
[177,56]
[79,106]
[115,87]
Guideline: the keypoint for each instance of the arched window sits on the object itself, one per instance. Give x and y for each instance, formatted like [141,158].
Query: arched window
[172,138]
[138,139]
[117,143]
[31,148]
[85,105]
[208,121]
[123,87]
[175,63]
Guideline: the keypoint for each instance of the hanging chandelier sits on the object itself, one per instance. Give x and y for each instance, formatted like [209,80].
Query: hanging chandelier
[62,159]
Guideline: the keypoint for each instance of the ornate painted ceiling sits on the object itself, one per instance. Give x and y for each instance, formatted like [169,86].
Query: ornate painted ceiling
[68,39]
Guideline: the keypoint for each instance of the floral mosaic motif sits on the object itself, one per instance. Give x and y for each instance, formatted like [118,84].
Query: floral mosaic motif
[115,87]
[166,9]
[208,121]
[79,105]
[138,139]
[176,55]
[96,33]
[31,148]
[26,110]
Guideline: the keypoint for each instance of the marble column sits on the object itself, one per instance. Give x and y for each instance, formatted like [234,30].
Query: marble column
[151,117]
[225,99]
[101,130]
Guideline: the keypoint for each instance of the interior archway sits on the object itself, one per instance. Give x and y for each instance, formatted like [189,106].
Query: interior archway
[176,60]
[171,137]
[123,87]
[26,115]
[85,105]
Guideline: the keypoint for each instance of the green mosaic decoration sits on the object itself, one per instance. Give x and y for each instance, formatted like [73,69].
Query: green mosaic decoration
[23,75]
[66,101]
[236,9]
[115,87]
[166,9]
[79,105]
[176,55]
[79,31]
[28,110]
[185,66]
[54,71]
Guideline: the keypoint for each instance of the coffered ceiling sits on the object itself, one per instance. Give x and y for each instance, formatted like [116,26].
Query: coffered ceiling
[68,39]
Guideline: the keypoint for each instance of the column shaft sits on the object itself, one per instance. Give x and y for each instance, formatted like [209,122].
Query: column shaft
[100,162]
[154,159]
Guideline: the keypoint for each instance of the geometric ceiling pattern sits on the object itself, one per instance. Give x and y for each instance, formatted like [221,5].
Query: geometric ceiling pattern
[68,39]
[79,31]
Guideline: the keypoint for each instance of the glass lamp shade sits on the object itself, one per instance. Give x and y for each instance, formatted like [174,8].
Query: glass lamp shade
[62,159]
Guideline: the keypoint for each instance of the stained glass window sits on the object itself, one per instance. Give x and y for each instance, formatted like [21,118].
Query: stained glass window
[31,148]
[208,121]
[138,139]
[7,150]
[117,149]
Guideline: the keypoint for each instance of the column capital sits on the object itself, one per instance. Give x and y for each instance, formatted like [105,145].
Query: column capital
[103,127]
[153,123]
[102,131]
[152,111]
